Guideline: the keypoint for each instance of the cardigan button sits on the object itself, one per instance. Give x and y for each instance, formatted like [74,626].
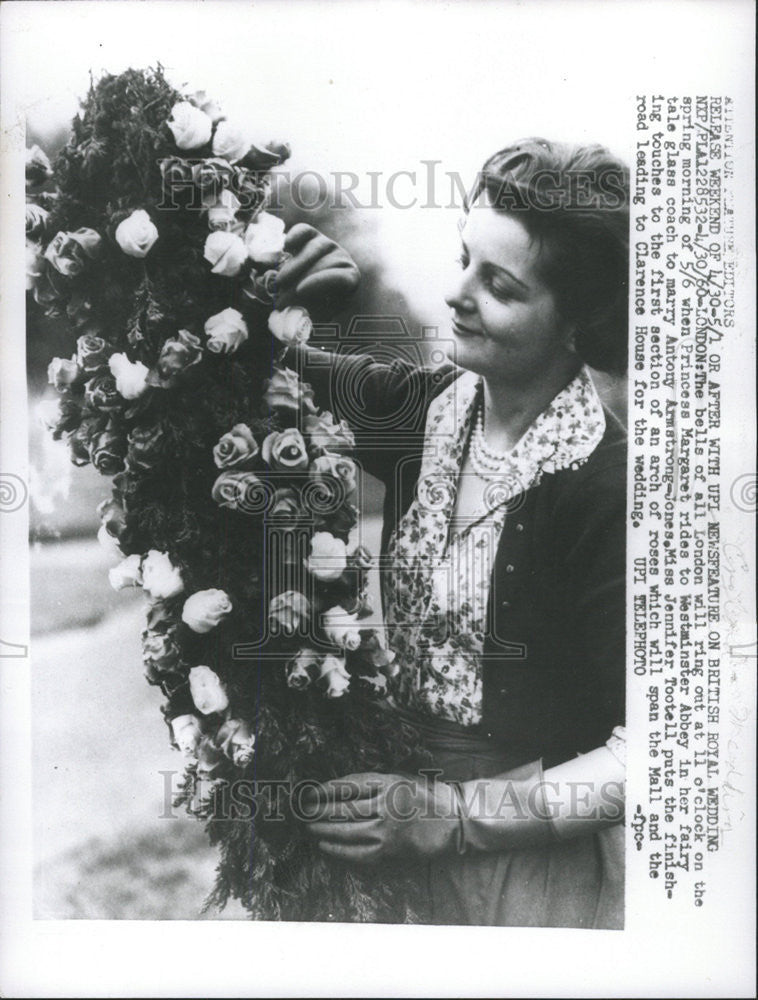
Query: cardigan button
[505,604]
[519,527]
[509,568]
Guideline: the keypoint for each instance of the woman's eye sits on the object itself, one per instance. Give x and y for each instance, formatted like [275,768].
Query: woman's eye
[500,291]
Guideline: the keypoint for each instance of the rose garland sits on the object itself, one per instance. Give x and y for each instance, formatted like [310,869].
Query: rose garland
[233,496]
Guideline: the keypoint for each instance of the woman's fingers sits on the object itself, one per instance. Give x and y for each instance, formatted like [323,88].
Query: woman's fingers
[353,853]
[353,831]
[306,254]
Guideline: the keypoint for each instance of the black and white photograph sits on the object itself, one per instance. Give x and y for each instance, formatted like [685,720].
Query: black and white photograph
[378,498]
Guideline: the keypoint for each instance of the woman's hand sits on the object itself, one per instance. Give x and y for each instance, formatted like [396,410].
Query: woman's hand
[319,274]
[363,818]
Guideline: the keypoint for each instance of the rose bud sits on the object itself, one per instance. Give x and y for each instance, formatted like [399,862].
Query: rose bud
[341,628]
[38,169]
[178,354]
[212,177]
[101,393]
[328,557]
[126,574]
[334,672]
[285,450]
[210,764]
[289,612]
[208,693]
[131,376]
[230,141]
[226,331]
[360,558]
[292,325]
[69,253]
[107,451]
[236,449]
[108,543]
[92,352]
[36,220]
[185,730]
[237,741]
[205,609]
[261,158]
[281,150]
[226,252]
[264,239]
[112,517]
[303,668]
[249,190]
[285,507]
[63,373]
[241,490]
[81,440]
[147,447]
[190,126]
[137,234]
[285,391]
[160,578]
[222,214]
[325,433]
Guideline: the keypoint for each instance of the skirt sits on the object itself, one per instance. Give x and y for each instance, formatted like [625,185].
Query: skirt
[573,883]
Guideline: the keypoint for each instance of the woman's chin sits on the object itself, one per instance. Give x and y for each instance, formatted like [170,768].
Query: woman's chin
[467,353]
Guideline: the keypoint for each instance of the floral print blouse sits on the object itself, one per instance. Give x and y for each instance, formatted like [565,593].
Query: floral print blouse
[436,592]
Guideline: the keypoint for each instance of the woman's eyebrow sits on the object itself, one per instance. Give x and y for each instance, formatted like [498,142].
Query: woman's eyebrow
[497,267]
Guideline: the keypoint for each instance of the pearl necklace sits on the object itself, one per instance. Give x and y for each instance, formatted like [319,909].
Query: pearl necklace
[487,464]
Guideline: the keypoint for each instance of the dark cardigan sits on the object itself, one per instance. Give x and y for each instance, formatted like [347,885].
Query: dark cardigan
[553,680]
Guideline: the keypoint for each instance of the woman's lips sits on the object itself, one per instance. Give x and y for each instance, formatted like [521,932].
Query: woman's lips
[464,331]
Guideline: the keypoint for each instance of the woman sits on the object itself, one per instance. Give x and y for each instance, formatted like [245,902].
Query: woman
[505,534]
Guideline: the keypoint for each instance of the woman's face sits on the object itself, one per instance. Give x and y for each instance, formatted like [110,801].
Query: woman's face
[505,320]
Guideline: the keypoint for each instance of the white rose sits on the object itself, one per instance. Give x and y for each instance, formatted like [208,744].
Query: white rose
[328,557]
[130,376]
[207,691]
[226,331]
[48,413]
[160,578]
[264,239]
[237,741]
[109,543]
[191,127]
[230,142]
[126,574]
[341,628]
[136,234]
[334,672]
[223,214]
[205,609]
[186,732]
[292,325]
[226,252]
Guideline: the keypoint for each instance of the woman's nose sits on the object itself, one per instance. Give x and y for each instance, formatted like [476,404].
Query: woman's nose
[458,295]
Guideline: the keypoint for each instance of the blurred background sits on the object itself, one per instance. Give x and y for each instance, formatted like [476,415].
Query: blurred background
[421,93]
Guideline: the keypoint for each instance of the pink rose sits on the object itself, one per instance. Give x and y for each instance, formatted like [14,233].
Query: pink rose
[236,449]
[285,450]
[178,354]
[285,507]
[70,253]
[336,467]
[325,433]
[285,391]
[239,489]
[237,740]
